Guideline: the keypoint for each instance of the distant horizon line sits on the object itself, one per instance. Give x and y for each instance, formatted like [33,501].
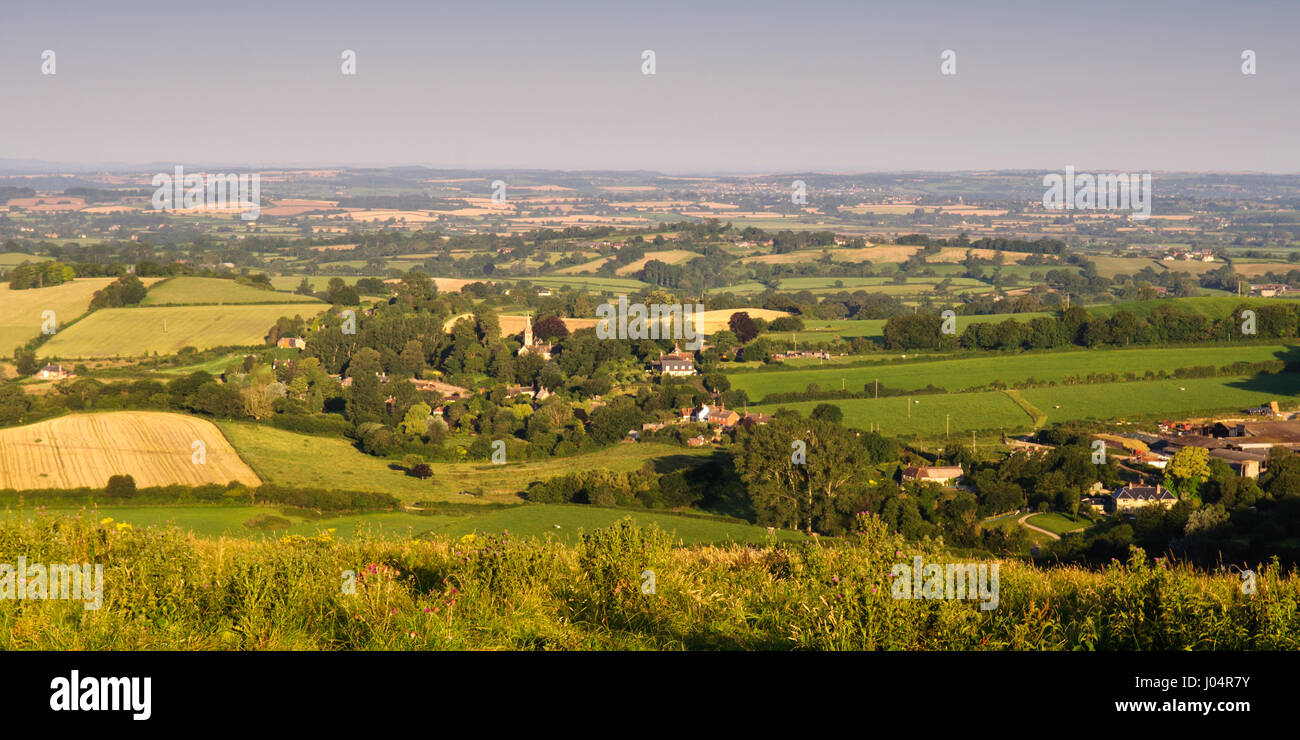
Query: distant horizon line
[15,167]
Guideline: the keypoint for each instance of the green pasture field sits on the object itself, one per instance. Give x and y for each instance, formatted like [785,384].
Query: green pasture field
[13,259]
[590,283]
[1167,398]
[289,458]
[217,520]
[215,366]
[135,332]
[192,290]
[985,411]
[1057,523]
[973,372]
[817,330]
[565,522]
[1213,307]
[992,410]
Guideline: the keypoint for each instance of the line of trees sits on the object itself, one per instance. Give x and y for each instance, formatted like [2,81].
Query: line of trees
[1167,324]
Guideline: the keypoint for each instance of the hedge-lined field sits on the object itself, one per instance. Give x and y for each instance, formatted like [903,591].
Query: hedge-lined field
[165,589]
[136,332]
[991,410]
[191,290]
[962,412]
[972,372]
[21,311]
[564,522]
[294,459]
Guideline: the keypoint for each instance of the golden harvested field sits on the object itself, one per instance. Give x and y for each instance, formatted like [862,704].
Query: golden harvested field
[377,214]
[153,447]
[1254,269]
[450,285]
[669,256]
[877,255]
[958,254]
[21,310]
[514,323]
[709,322]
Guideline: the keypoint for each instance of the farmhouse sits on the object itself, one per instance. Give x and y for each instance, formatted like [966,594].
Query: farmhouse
[799,354]
[698,414]
[943,475]
[291,343]
[54,372]
[1132,497]
[726,418]
[717,416]
[677,363]
[1268,290]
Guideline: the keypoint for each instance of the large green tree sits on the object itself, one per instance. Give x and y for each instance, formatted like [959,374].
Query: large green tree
[804,473]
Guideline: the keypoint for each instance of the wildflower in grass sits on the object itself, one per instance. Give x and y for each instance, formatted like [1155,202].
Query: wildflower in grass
[106,520]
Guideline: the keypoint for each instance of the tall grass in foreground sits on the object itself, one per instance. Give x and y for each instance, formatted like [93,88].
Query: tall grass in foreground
[168,589]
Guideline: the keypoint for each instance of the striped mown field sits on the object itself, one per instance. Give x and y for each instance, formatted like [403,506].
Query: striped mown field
[154,447]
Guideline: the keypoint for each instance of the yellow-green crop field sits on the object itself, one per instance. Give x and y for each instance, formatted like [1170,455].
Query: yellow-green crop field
[192,290]
[135,332]
[22,311]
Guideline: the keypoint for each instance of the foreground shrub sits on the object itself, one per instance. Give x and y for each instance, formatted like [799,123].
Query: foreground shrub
[165,588]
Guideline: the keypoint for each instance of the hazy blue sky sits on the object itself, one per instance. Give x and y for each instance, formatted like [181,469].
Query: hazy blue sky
[741,86]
